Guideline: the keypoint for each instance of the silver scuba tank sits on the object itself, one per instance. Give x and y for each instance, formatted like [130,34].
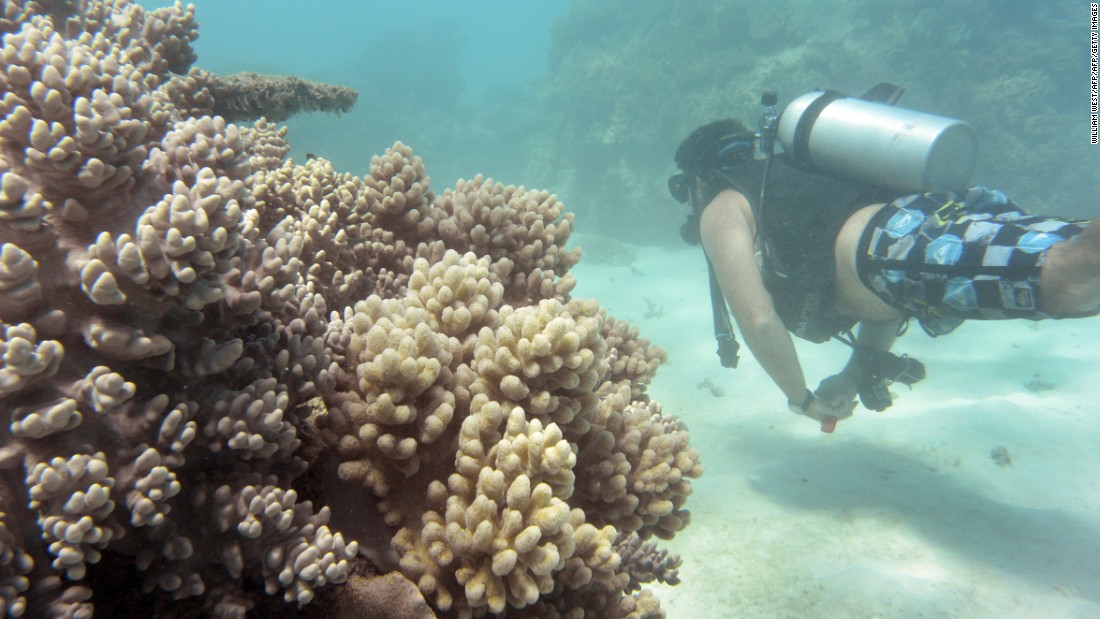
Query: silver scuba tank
[877,143]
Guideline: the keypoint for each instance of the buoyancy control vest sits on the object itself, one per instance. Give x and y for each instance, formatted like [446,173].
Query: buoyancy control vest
[797,237]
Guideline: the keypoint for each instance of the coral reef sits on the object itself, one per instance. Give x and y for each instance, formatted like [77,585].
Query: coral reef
[248,96]
[210,355]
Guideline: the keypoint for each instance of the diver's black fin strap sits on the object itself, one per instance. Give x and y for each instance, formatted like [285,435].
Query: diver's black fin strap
[723,328]
[883,92]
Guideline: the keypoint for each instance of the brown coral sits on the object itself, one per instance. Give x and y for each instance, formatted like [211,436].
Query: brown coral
[174,294]
[248,96]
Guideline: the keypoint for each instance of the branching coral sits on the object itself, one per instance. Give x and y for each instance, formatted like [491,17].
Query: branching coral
[636,465]
[505,535]
[176,298]
[522,231]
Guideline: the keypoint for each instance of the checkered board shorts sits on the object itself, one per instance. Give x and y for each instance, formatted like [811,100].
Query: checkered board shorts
[950,257]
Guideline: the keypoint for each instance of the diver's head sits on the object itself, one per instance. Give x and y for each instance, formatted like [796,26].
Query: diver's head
[707,152]
[703,157]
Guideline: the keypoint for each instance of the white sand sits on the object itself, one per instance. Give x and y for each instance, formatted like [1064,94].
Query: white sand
[898,514]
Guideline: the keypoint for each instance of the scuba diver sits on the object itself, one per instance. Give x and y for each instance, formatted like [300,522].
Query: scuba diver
[845,226]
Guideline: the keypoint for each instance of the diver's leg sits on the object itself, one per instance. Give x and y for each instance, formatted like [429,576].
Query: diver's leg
[853,298]
[873,334]
[1070,278]
[843,387]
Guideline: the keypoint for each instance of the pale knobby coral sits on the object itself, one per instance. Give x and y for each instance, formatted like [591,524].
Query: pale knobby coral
[505,530]
[15,566]
[636,465]
[524,232]
[398,390]
[400,398]
[549,358]
[403,195]
[174,293]
[548,366]
[633,359]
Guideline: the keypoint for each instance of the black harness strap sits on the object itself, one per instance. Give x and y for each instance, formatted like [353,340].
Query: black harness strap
[723,329]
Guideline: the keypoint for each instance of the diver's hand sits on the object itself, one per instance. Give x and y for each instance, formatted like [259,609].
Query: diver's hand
[828,414]
[838,390]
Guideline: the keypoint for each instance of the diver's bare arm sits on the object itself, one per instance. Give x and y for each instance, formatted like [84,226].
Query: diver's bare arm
[727,235]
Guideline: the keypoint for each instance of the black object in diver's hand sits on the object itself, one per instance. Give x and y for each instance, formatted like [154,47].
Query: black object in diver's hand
[727,351]
[880,370]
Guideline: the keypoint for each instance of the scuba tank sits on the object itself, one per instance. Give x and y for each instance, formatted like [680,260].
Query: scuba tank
[872,141]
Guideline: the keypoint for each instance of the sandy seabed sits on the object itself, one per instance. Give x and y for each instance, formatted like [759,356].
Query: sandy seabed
[905,513]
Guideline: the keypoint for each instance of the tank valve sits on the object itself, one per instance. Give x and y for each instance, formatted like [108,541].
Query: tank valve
[768,122]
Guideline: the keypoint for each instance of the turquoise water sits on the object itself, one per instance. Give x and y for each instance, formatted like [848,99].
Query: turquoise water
[486,42]
[423,69]
[590,99]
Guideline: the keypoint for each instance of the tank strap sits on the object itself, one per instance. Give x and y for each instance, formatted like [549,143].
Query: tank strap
[805,124]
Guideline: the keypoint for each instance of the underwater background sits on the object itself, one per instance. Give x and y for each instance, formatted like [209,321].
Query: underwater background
[978,493]
[589,99]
